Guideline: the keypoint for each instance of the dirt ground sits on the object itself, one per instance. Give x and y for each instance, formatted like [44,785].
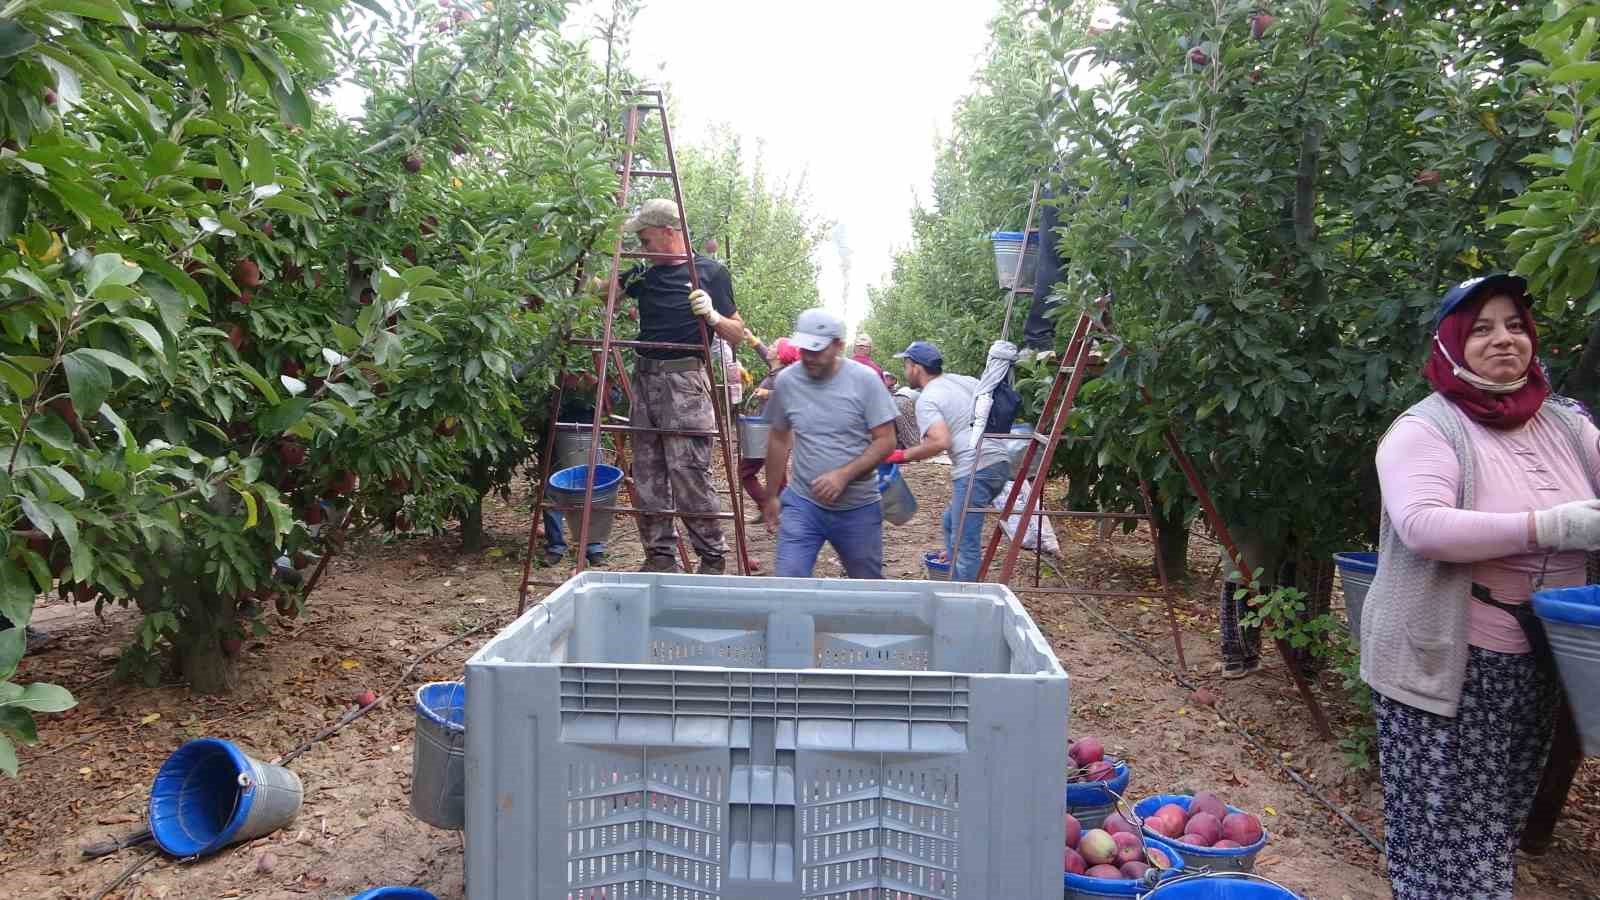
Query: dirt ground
[88,779]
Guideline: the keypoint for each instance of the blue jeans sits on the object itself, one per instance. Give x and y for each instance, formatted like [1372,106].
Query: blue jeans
[803,527]
[986,486]
[556,542]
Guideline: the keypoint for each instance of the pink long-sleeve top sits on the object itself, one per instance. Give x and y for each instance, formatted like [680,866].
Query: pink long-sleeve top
[1514,472]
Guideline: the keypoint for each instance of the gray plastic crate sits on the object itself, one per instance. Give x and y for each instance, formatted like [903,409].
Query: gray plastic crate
[722,738]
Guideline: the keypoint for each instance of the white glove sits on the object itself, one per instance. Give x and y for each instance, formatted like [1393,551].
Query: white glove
[700,305]
[1570,526]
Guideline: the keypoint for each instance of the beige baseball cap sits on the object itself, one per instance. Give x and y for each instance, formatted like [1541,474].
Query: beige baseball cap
[658,213]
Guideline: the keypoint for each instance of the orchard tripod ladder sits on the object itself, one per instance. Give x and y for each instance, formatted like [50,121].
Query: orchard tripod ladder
[606,353]
[1069,377]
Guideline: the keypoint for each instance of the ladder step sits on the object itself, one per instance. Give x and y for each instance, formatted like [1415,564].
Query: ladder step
[1022,290]
[640,254]
[647,173]
[636,429]
[646,345]
[630,509]
[1063,513]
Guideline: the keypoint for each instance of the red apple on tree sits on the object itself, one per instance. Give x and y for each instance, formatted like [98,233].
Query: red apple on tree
[1429,178]
[1259,23]
[1199,57]
[413,162]
[246,273]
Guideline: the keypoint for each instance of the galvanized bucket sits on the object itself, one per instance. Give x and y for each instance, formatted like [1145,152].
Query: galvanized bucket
[566,489]
[753,432]
[439,755]
[209,794]
[1571,619]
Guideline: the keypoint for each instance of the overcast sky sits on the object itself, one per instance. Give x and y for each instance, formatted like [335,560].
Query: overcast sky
[851,94]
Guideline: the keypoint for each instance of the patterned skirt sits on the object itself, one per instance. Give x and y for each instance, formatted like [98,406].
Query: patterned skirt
[1456,792]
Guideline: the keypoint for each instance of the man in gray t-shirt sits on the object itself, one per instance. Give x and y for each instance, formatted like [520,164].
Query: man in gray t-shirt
[944,417]
[837,418]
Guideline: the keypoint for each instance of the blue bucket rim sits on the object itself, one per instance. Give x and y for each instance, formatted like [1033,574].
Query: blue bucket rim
[761,420]
[427,707]
[1125,887]
[168,832]
[1569,606]
[1177,886]
[1357,561]
[1150,804]
[1098,790]
[928,560]
[604,479]
[394,893]
[1012,237]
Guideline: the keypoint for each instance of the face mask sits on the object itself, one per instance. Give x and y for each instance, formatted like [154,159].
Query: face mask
[1472,378]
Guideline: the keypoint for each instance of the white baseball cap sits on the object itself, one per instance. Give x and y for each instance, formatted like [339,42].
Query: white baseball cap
[815,329]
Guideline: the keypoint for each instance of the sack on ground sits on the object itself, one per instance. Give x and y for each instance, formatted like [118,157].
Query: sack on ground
[1030,538]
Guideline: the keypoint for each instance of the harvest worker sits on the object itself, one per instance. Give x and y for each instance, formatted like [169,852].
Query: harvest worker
[863,353]
[836,416]
[673,471]
[944,418]
[1488,495]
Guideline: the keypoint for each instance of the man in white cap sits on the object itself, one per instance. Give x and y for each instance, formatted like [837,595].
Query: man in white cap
[673,471]
[838,419]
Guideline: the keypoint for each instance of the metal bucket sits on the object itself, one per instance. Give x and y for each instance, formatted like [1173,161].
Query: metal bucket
[937,569]
[1016,449]
[753,432]
[899,504]
[1571,619]
[1356,570]
[209,794]
[572,449]
[1091,801]
[439,755]
[1006,246]
[566,489]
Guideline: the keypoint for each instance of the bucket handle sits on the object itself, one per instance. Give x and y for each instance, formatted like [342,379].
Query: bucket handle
[1194,876]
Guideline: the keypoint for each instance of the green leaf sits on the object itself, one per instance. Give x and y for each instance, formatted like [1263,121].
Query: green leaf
[18,724]
[104,10]
[13,643]
[281,416]
[258,156]
[294,107]
[14,195]
[20,382]
[8,757]
[1581,71]
[173,307]
[65,479]
[145,331]
[109,268]
[41,697]
[231,176]
[16,592]
[91,206]
[88,380]
[249,506]
[120,363]
[14,39]
[52,429]
[289,204]
[262,385]
[51,518]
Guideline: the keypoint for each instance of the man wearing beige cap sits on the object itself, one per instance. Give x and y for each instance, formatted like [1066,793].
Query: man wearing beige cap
[673,471]
[863,354]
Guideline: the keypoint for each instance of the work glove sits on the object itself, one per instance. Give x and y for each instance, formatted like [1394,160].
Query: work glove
[1570,526]
[895,458]
[700,305]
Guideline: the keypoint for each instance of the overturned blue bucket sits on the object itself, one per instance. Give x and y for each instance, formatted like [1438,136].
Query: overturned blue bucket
[394,893]
[899,504]
[1571,619]
[439,755]
[566,489]
[209,794]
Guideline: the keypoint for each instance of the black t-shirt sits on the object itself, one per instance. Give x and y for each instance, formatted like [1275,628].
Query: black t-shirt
[662,293]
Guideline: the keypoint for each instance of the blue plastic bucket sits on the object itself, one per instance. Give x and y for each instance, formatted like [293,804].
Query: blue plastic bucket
[899,504]
[1356,570]
[1007,244]
[439,755]
[566,489]
[1091,801]
[1082,887]
[1227,859]
[1222,886]
[394,893]
[1572,621]
[209,794]
[937,569]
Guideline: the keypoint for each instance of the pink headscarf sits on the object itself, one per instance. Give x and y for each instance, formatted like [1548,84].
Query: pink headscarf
[787,352]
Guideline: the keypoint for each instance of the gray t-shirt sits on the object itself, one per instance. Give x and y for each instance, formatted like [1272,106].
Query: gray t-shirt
[949,399]
[831,421]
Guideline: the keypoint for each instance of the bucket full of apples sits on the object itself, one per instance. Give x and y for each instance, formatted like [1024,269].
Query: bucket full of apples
[1205,830]
[1095,781]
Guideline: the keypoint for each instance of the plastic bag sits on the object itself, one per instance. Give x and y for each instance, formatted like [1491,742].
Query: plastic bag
[1030,538]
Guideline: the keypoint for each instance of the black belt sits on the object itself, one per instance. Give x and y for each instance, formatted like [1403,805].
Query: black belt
[1532,627]
[677,364]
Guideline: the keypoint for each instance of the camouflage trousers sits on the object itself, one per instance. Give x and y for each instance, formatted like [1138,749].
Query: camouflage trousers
[674,471]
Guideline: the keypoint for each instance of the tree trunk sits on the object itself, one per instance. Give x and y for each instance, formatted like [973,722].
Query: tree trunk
[472,538]
[1174,544]
[203,664]
[1583,381]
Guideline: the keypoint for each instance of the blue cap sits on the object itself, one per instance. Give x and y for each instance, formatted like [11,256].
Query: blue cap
[922,353]
[1474,288]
